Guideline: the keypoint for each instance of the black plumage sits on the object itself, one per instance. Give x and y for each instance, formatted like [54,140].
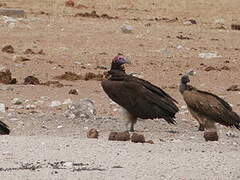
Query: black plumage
[208,108]
[139,97]
[4,129]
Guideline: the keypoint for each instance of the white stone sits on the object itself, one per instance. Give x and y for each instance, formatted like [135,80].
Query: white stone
[67,101]
[209,55]
[30,106]
[55,103]
[126,28]
[2,108]
[45,98]
[13,119]
[68,164]
[17,101]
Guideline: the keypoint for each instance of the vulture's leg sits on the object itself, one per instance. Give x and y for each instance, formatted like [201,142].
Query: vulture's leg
[210,133]
[131,119]
[201,127]
[198,118]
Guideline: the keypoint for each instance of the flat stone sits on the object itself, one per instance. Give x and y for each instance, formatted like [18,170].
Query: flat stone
[12,12]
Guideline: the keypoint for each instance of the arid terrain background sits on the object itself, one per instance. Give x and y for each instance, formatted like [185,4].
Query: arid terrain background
[167,39]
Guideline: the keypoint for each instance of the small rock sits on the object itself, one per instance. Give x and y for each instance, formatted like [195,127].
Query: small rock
[92,133]
[149,142]
[234,88]
[30,106]
[208,55]
[210,68]
[6,77]
[230,134]
[126,28]
[68,164]
[219,21]
[59,127]
[29,51]
[31,80]
[19,59]
[85,108]
[190,22]
[226,68]
[13,119]
[17,101]
[69,3]
[45,98]
[73,91]
[53,84]
[55,103]
[8,49]
[2,108]
[12,12]
[69,115]
[122,136]
[67,101]
[137,138]
[235,27]
[112,136]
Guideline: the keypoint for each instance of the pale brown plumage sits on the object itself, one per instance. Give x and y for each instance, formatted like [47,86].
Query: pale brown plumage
[208,108]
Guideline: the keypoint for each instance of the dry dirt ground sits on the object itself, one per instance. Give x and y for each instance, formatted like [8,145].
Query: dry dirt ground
[44,144]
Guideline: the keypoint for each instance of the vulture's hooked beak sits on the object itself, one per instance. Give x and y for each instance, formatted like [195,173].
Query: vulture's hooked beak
[127,61]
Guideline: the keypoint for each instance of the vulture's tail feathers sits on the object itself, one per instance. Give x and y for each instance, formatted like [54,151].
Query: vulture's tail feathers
[170,120]
[4,128]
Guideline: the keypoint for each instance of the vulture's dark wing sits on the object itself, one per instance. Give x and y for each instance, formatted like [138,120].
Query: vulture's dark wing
[4,128]
[212,107]
[139,100]
[152,87]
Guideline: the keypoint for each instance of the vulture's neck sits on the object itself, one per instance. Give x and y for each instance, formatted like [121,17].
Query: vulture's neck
[116,70]
[184,87]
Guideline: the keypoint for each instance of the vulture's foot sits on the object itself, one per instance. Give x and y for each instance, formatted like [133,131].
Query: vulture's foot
[201,127]
[211,136]
[132,127]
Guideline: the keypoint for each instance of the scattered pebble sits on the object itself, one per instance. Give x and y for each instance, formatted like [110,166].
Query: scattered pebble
[17,101]
[55,103]
[235,27]
[2,108]
[119,136]
[45,98]
[30,106]
[85,108]
[137,138]
[69,3]
[209,55]
[31,80]
[149,142]
[73,91]
[8,49]
[92,133]
[234,88]
[67,101]
[126,28]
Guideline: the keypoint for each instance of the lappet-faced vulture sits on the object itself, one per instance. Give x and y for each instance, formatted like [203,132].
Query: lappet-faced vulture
[138,97]
[4,128]
[208,109]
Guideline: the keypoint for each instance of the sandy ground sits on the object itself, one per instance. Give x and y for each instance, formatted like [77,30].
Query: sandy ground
[44,144]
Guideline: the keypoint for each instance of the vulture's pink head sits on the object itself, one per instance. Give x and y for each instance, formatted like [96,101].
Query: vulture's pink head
[118,61]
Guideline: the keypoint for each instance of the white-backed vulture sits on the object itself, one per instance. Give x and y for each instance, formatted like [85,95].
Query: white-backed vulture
[208,109]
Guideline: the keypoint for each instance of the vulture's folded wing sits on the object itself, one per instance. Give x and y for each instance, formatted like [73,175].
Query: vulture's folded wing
[212,107]
[139,100]
[4,128]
